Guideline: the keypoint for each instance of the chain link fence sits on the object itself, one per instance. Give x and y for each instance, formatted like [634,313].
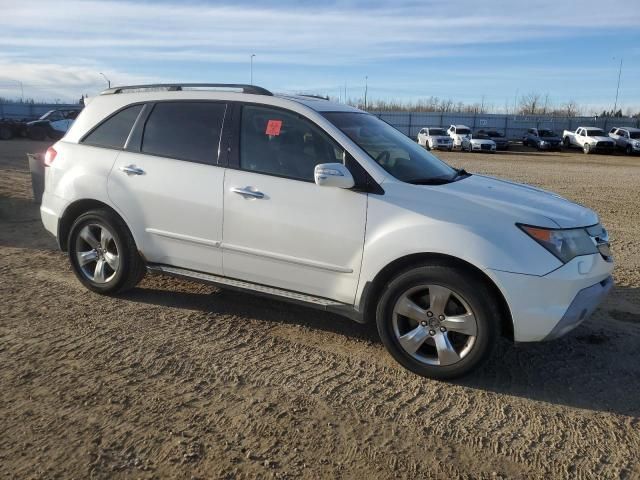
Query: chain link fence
[512,126]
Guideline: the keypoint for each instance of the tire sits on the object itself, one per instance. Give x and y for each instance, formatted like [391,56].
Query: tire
[37,133]
[566,142]
[121,266]
[426,145]
[458,353]
[5,133]
[586,148]
[629,150]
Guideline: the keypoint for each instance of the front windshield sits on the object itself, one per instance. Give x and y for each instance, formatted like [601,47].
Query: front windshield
[547,133]
[595,132]
[634,135]
[393,151]
[437,131]
[482,136]
[494,134]
[462,131]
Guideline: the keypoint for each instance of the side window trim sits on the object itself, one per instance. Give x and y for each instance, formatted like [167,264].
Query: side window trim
[134,140]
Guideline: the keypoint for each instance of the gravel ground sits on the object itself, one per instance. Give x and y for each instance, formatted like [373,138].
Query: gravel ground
[177,379]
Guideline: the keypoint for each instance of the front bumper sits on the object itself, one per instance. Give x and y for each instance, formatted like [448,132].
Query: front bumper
[549,146]
[548,306]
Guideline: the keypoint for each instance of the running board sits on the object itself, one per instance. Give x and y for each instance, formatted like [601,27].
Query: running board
[256,288]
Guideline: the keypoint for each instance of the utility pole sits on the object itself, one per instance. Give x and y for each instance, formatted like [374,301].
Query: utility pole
[365,91]
[251,61]
[482,104]
[21,92]
[108,81]
[345,91]
[615,105]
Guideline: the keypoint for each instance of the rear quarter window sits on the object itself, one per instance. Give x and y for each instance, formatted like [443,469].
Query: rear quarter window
[113,132]
[184,130]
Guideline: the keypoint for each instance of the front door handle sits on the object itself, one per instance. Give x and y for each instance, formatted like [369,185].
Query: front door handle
[132,170]
[247,192]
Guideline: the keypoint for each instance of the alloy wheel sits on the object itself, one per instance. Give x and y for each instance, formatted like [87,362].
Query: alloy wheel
[434,325]
[97,253]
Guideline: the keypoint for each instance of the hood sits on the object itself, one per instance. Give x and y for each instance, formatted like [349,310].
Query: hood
[480,141]
[440,137]
[602,139]
[524,202]
[550,139]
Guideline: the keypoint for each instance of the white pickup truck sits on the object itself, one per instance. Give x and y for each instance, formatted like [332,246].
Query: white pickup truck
[590,139]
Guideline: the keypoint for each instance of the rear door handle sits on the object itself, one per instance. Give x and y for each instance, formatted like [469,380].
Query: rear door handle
[132,170]
[247,192]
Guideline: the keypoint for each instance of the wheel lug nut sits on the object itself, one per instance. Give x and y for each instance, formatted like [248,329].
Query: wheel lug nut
[432,332]
[429,314]
[442,329]
[424,324]
[441,317]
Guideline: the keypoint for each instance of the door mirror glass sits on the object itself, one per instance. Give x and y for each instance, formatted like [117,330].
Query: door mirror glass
[333,175]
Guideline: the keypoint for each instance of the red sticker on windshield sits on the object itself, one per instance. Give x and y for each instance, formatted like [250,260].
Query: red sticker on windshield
[273,127]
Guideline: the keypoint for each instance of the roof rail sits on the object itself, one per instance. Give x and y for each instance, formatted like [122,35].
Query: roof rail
[319,97]
[174,87]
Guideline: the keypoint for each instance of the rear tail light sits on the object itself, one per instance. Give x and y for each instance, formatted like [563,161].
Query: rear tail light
[50,156]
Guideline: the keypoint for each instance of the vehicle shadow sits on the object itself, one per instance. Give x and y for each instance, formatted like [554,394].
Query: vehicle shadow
[594,367]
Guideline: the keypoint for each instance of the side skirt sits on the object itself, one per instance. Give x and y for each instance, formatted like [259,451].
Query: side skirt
[303,299]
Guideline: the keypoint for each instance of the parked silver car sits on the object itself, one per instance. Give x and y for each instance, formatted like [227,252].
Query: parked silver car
[435,138]
[626,138]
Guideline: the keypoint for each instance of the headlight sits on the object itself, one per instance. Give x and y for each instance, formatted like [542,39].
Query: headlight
[542,142]
[564,244]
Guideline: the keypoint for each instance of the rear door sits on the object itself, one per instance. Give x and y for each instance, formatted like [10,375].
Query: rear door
[280,228]
[167,182]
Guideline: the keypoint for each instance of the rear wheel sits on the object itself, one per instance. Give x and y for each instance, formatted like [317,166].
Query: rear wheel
[103,253]
[586,148]
[37,133]
[438,321]
[5,133]
[566,142]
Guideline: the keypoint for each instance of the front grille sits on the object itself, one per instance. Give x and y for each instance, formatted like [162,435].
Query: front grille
[485,146]
[604,145]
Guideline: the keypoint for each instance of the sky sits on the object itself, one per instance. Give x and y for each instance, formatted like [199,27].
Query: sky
[490,51]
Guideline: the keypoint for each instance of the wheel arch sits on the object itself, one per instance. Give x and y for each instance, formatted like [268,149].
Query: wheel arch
[73,211]
[372,290]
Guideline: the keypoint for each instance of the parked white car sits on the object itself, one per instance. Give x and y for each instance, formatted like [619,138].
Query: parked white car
[435,139]
[324,205]
[478,142]
[626,138]
[590,139]
[458,133]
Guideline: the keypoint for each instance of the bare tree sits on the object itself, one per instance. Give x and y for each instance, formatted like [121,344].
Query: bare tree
[530,103]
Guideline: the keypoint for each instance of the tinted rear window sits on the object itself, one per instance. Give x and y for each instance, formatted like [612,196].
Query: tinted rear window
[114,131]
[185,130]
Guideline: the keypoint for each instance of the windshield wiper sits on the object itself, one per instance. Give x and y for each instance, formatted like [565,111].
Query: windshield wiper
[460,174]
[429,181]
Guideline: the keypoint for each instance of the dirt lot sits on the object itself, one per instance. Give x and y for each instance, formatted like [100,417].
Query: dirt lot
[182,380]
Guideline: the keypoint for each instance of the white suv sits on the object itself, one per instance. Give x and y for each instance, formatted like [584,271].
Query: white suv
[311,201]
[458,134]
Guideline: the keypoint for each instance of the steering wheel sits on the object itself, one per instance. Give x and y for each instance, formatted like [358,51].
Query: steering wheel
[383,157]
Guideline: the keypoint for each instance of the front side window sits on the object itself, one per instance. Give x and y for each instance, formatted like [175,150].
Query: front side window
[185,130]
[113,132]
[392,150]
[281,143]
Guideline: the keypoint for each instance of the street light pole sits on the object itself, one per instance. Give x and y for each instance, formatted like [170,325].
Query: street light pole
[251,60]
[366,87]
[615,105]
[108,81]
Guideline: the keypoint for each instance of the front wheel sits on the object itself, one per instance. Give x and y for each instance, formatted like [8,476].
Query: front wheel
[437,321]
[566,142]
[629,150]
[103,253]
[586,148]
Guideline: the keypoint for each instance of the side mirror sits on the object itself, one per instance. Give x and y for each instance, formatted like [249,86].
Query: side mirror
[333,175]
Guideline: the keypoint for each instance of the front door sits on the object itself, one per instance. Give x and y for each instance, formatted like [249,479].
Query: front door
[280,228]
[170,190]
